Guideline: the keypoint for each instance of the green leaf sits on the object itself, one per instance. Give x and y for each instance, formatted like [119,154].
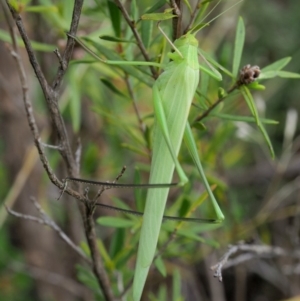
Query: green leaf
[86,276]
[214,62]
[134,10]
[117,242]
[278,65]
[162,293]
[187,3]
[55,17]
[75,101]
[113,88]
[211,72]
[256,86]
[146,32]
[199,126]
[248,97]
[238,47]
[160,266]
[221,93]
[250,102]
[41,8]
[267,139]
[176,286]
[283,74]
[135,149]
[115,39]
[113,56]
[156,6]
[115,222]
[243,118]
[166,15]
[115,17]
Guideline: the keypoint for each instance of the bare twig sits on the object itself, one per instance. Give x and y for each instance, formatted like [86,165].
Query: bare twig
[44,219]
[51,96]
[177,21]
[215,104]
[61,61]
[69,48]
[251,251]
[98,266]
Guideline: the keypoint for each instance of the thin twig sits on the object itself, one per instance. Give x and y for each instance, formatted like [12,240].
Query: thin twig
[177,21]
[69,48]
[51,96]
[258,250]
[216,103]
[44,219]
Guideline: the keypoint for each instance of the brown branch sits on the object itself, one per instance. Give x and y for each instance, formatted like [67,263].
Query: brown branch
[51,96]
[31,118]
[98,266]
[70,45]
[177,21]
[215,104]
[138,38]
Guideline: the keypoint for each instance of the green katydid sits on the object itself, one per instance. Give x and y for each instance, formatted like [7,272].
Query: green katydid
[173,93]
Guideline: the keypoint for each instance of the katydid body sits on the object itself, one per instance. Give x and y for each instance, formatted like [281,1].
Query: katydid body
[173,93]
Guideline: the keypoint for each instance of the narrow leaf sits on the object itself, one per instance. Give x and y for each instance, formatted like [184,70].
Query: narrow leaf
[238,47]
[156,6]
[166,15]
[112,87]
[267,139]
[115,17]
[278,65]
[41,8]
[111,55]
[115,222]
[117,242]
[146,32]
[160,266]
[243,118]
[187,3]
[176,286]
[214,62]
[283,74]
[250,102]
[114,39]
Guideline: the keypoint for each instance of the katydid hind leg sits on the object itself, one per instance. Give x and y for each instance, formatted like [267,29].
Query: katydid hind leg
[191,144]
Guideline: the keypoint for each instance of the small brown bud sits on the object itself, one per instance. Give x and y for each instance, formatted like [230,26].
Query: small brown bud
[248,74]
